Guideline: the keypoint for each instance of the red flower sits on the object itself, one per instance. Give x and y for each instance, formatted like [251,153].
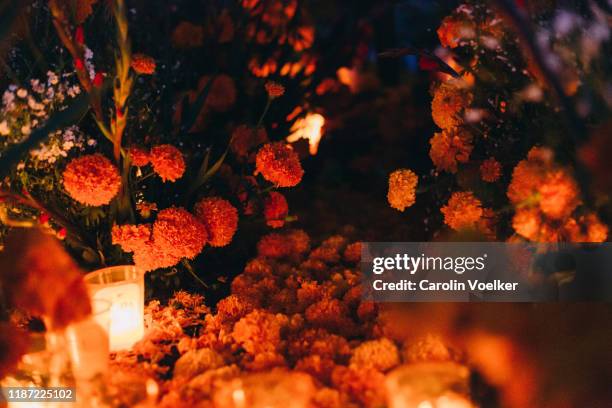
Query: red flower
[279,164]
[167,162]
[275,209]
[220,218]
[92,180]
[143,64]
[138,156]
[178,233]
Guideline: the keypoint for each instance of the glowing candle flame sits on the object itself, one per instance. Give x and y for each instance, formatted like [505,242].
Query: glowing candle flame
[309,128]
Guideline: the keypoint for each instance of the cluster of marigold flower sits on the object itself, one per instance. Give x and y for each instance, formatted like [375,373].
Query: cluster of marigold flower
[177,233]
[544,195]
[293,309]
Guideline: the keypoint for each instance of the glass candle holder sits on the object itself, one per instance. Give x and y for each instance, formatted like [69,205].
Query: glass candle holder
[88,342]
[275,389]
[123,287]
[429,385]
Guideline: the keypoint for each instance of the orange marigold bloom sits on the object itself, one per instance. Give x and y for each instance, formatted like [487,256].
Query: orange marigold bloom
[362,384]
[538,181]
[453,30]
[274,89]
[167,162]
[448,102]
[559,195]
[152,256]
[588,228]
[222,94]
[490,170]
[462,211]
[179,233]
[381,354]
[131,237]
[279,164]
[91,179]
[143,64]
[187,35]
[220,218]
[450,147]
[138,156]
[527,223]
[258,332]
[273,246]
[275,209]
[245,138]
[402,189]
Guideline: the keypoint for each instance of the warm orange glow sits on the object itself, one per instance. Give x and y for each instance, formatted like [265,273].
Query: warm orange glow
[310,128]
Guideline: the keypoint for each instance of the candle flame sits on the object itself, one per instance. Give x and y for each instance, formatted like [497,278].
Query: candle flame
[310,128]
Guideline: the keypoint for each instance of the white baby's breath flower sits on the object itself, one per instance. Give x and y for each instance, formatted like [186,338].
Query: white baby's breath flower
[26,130]
[22,93]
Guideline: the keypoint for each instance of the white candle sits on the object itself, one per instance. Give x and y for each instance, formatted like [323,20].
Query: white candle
[123,287]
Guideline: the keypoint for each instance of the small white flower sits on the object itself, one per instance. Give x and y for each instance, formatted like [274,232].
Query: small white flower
[20,166]
[26,130]
[22,93]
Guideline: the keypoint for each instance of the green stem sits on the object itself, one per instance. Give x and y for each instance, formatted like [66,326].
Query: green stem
[261,118]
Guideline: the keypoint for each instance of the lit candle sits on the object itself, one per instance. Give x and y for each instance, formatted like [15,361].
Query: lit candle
[428,385]
[123,287]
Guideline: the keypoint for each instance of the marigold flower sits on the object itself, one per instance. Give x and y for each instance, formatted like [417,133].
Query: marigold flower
[131,237]
[91,180]
[362,384]
[427,349]
[151,256]
[450,147]
[187,35]
[402,189]
[537,181]
[298,240]
[139,156]
[453,30]
[245,138]
[258,332]
[352,253]
[381,354]
[279,164]
[527,223]
[275,209]
[179,233]
[588,228]
[222,94]
[273,246]
[220,218]
[490,170]
[274,89]
[448,102]
[559,195]
[167,162]
[462,211]
[143,64]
